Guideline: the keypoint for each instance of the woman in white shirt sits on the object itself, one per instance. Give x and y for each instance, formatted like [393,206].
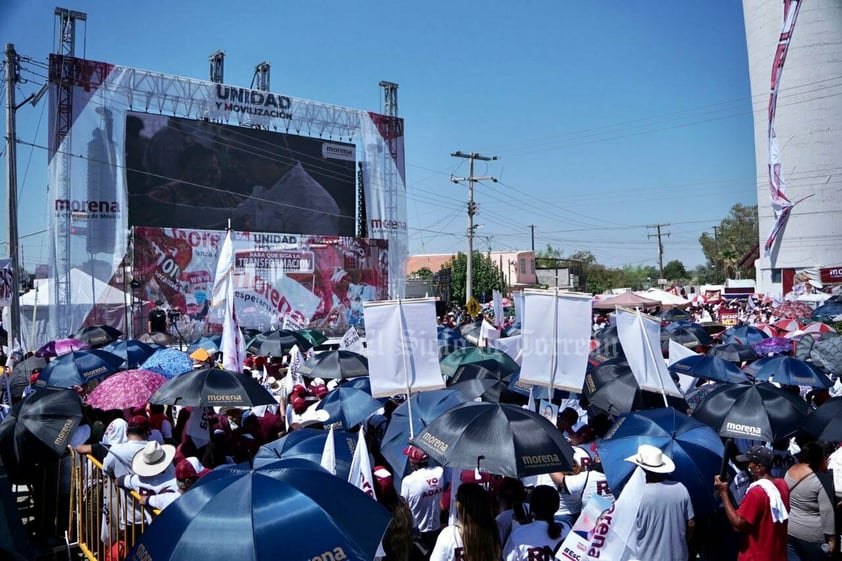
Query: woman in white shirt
[541,538]
[475,536]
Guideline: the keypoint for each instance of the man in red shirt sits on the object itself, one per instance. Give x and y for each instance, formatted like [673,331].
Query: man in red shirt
[762,516]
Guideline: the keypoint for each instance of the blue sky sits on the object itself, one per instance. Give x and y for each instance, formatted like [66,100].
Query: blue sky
[606,117]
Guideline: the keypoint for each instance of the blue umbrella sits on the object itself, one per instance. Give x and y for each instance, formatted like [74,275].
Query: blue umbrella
[291,509]
[744,334]
[308,444]
[449,340]
[425,407]
[695,448]
[827,311]
[362,383]
[348,405]
[78,368]
[711,367]
[789,371]
[168,362]
[210,343]
[134,352]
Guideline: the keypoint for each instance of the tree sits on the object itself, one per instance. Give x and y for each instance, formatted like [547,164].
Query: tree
[595,277]
[549,253]
[639,277]
[735,237]
[674,270]
[424,273]
[486,276]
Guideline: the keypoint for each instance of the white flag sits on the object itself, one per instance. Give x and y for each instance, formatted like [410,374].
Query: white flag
[640,336]
[403,350]
[614,538]
[556,334]
[497,300]
[530,403]
[197,426]
[487,333]
[512,346]
[518,302]
[329,453]
[351,341]
[233,347]
[360,475]
[677,352]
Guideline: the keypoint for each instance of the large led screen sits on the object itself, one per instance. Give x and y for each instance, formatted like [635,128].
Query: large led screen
[184,173]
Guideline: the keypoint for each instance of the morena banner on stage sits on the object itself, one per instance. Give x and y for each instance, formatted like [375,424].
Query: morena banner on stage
[319,282]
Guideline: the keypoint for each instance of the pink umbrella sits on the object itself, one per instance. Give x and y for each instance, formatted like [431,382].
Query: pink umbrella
[61,347]
[129,388]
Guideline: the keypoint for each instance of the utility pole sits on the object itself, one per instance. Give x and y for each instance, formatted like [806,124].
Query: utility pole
[660,246]
[532,229]
[715,233]
[472,210]
[12,186]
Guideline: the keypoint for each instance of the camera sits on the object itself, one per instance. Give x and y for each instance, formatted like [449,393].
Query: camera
[173,315]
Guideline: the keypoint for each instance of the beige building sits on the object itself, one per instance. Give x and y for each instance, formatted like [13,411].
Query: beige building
[518,266]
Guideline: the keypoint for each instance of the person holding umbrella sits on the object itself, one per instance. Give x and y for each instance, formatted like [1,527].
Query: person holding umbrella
[763,513]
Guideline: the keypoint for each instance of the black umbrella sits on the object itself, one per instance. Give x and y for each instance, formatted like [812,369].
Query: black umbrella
[689,337]
[497,438]
[754,411]
[336,365]
[98,335]
[735,352]
[486,379]
[277,343]
[134,352]
[612,387]
[213,387]
[22,372]
[158,338]
[45,420]
[825,422]
[675,314]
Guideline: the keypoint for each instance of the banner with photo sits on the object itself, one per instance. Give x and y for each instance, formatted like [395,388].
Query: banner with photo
[318,282]
[140,148]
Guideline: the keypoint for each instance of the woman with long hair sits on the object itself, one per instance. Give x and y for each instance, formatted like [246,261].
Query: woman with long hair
[541,538]
[475,536]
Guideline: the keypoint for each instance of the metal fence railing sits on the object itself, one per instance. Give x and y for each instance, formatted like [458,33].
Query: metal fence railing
[105,519]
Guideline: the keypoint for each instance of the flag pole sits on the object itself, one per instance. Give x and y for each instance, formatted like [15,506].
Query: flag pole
[404,350]
[554,360]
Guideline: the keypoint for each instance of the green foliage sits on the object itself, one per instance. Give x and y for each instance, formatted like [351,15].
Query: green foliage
[423,273]
[487,276]
[675,271]
[549,253]
[639,277]
[736,235]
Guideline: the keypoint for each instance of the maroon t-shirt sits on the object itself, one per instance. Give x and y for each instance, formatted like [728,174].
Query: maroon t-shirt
[765,540]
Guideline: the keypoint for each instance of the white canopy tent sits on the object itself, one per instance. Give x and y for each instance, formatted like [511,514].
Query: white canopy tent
[90,299]
[667,299]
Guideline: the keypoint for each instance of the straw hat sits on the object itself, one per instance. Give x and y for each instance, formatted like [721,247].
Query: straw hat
[652,459]
[153,459]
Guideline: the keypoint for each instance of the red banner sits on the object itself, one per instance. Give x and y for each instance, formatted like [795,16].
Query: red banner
[318,281]
[831,275]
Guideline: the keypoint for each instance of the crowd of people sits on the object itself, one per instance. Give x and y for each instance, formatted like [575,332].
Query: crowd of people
[776,500]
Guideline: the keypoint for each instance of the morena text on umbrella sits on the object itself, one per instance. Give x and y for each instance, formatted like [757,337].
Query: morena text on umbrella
[436,443]
[748,430]
[228,397]
[541,459]
[338,554]
[95,372]
[62,434]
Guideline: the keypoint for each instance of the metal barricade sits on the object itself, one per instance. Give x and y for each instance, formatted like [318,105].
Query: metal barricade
[105,519]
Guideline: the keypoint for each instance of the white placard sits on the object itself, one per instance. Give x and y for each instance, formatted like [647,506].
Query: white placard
[403,352]
[640,336]
[556,334]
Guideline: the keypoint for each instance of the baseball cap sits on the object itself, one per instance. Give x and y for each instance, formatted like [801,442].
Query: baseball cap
[319,390]
[138,423]
[382,478]
[758,454]
[415,454]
